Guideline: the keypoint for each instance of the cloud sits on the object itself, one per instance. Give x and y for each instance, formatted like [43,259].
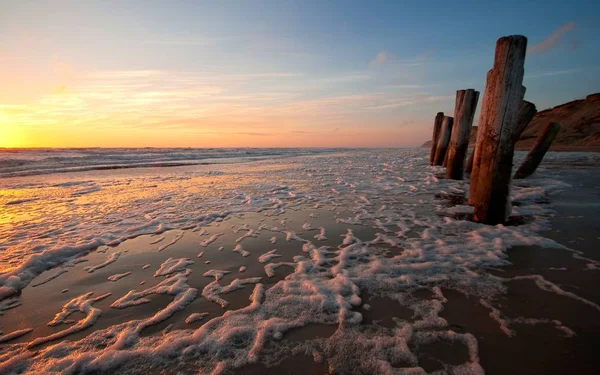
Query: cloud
[196,41]
[411,101]
[381,58]
[408,86]
[254,134]
[552,39]
[554,73]
[344,78]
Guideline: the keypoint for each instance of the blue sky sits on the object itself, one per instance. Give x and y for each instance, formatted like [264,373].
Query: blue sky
[289,73]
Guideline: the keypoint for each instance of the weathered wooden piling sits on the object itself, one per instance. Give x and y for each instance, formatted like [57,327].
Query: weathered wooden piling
[464,111]
[527,111]
[469,163]
[537,152]
[437,125]
[443,140]
[445,162]
[492,163]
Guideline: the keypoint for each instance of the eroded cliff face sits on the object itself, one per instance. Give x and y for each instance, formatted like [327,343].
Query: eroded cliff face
[579,121]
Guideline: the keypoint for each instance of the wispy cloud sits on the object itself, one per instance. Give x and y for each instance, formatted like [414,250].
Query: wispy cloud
[384,58]
[226,103]
[411,100]
[407,86]
[196,41]
[553,73]
[254,134]
[381,58]
[552,39]
[344,78]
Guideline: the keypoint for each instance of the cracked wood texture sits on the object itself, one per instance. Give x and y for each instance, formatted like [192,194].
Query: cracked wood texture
[527,112]
[492,164]
[464,112]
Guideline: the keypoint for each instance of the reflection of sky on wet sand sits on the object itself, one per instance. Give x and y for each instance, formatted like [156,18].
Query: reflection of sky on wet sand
[381,276]
[43,214]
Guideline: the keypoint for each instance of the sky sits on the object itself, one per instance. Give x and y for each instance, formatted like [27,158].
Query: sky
[271,73]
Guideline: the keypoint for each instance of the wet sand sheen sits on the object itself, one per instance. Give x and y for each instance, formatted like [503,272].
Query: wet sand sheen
[382,313]
[140,251]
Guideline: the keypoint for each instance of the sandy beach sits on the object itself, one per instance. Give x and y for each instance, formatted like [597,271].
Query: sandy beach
[348,262]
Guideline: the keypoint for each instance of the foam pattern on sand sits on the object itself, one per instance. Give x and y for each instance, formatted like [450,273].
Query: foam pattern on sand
[418,244]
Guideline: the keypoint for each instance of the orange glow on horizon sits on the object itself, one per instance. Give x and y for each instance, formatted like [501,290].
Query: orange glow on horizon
[153,108]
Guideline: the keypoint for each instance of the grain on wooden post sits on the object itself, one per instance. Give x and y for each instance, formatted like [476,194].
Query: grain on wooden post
[492,164]
[537,152]
[527,111]
[437,125]
[464,111]
[474,153]
[443,140]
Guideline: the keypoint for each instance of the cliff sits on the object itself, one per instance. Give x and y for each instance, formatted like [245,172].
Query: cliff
[579,121]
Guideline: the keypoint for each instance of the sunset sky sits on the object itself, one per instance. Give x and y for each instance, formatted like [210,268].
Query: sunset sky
[270,73]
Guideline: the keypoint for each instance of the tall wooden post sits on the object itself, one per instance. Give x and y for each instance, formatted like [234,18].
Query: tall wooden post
[437,125]
[527,111]
[443,140]
[464,111]
[537,152]
[492,163]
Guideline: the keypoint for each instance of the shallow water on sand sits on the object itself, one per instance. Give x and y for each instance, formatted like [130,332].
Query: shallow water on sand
[350,265]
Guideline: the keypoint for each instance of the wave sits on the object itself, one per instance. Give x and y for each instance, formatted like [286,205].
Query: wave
[29,162]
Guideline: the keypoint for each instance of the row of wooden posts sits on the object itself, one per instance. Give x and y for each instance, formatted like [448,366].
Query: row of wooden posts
[504,116]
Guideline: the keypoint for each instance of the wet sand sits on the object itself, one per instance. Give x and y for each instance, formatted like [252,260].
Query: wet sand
[540,348]
[534,348]
[140,251]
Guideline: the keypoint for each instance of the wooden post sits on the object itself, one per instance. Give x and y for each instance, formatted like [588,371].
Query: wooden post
[445,162]
[437,125]
[537,152]
[469,164]
[492,163]
[464,111]
[527,111]
[443,139]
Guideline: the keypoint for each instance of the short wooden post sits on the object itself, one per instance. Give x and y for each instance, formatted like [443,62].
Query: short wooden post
[537,152]
[469,163]
[437,125]
[527,111]
[445,162]
[464,111]
[492,163]
[443,140]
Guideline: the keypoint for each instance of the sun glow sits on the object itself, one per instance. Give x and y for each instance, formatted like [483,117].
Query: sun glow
[11,136]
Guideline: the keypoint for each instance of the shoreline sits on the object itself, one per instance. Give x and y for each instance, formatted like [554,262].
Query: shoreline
[405,280]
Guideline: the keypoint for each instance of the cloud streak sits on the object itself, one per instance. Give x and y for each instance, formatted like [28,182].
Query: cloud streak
[554,73]
[552,39]
[381,58]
